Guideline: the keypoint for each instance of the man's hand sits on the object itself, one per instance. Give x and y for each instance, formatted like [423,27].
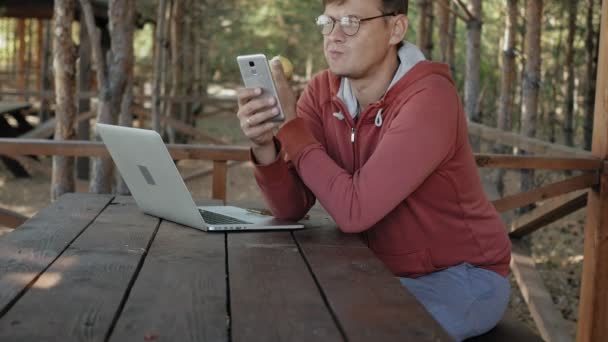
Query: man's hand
[254,111]
[286,95]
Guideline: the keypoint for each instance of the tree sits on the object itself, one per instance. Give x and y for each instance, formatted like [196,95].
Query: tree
[531,81]
[443,20]
[569,74]
[505,104]
[591,56]
[159,56]
[424,26]
[64,64]
[112,80]
[471,89]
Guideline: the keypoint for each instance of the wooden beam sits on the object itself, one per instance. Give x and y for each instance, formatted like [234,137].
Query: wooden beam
[504,161]
[548,213]
[11,219]
[207,172]
[75,148]
[535,146]
[46,129]
[220,173]
[583,181]
[549,320]
[189,130]
[593,309]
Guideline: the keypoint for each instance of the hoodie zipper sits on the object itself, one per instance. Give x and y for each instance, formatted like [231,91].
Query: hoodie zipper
[352,135]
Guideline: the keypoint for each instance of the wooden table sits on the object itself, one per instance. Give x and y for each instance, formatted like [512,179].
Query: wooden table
[93,267]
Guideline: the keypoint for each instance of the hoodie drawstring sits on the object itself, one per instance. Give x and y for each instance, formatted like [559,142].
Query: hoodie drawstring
[378,121]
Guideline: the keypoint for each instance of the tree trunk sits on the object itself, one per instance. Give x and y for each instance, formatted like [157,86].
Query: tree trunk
[165,69]
[443,19]
[159,51]
[591,56]
[187,50]
[430,18]
[451,59]
[125,119]
[471,88]
[569,74]
[39,52]
[177,62]
[111,81]
[84,85]
[507,79]
[422,33]
[21,79]
[45,106]
[531,81]
[64,64]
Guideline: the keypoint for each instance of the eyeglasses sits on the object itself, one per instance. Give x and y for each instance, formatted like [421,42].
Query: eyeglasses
[350,24]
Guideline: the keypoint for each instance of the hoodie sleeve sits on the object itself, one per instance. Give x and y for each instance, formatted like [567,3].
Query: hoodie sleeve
[417,141]
[285,193]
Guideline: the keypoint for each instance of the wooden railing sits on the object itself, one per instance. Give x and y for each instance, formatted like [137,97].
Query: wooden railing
[220,155]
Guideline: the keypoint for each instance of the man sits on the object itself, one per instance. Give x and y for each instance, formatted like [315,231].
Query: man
[380,139]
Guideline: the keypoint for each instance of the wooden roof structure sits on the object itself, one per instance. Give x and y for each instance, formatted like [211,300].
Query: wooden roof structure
[43,9]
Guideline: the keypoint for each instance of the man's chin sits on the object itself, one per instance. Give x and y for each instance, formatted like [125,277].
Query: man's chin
[340,72]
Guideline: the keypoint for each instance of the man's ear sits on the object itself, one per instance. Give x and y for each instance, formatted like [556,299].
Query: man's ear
[400,26]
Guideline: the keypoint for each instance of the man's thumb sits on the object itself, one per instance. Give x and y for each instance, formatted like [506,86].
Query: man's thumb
[277,69]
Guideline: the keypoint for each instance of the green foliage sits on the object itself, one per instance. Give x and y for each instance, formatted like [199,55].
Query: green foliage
[283,27]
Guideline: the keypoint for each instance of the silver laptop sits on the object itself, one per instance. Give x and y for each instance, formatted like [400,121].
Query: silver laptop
[154,181]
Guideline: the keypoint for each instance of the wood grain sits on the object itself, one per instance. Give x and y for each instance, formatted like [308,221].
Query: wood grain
[548,318]
[26,252]
[78,297]
[272,294]
[380,310]
[180,293]
[545,192]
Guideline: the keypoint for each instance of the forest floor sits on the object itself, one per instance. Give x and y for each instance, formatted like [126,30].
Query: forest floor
[557,249]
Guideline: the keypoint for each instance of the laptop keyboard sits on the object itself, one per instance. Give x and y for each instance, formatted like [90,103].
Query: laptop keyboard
[215,218]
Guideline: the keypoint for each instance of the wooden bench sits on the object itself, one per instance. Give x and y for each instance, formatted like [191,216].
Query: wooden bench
[509,329]
[11,219]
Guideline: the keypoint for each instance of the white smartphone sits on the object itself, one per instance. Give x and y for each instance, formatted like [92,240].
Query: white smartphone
[255,72]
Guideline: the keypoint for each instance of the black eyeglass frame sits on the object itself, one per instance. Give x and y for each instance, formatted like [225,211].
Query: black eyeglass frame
[359,21]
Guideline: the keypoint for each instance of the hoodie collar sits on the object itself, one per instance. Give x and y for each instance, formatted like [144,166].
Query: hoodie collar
[409,55]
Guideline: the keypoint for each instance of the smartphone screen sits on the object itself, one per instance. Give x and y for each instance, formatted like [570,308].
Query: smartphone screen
[255,72]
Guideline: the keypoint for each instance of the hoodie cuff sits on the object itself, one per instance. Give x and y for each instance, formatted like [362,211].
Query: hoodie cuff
[294,137]
[273,173]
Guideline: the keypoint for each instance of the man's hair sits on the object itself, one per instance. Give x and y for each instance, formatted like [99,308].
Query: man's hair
[388,6]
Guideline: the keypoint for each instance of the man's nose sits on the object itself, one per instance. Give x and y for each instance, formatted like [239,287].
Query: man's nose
[337,34]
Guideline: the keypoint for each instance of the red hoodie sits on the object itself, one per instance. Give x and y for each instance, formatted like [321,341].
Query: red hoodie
[406,181]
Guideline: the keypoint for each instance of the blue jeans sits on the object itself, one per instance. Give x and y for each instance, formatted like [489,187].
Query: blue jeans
[466,300]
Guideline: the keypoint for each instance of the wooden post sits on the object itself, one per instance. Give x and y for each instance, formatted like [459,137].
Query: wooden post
[21,83]
[593,310]
[220,170]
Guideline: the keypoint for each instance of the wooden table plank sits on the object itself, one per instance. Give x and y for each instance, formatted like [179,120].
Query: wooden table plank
[272,294]
[180,293]
[78,297]
[29,250]
[366,299]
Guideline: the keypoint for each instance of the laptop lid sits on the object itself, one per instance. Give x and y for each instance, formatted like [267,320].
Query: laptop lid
[151,175]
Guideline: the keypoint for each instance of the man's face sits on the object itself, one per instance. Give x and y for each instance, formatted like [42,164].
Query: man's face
[355,56]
